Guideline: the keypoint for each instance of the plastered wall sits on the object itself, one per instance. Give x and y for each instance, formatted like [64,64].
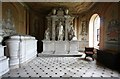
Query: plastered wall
[18,15]
[107,11]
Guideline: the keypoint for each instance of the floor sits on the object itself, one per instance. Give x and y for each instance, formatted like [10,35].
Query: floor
[62,67]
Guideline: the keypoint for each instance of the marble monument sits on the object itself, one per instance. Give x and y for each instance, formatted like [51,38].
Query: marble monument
[61,33]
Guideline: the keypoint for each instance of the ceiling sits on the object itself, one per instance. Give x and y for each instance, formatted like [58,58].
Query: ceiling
[75,8]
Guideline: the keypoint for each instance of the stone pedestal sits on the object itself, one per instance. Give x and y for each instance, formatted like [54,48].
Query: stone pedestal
[74,47]
[61,47]
[48,47]
[4,64]
[21,49]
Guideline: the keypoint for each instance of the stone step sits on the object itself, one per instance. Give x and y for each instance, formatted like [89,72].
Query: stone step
[59,55]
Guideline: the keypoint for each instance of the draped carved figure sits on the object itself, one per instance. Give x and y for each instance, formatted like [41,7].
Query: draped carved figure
[47,34]
[71,32]
[60,31]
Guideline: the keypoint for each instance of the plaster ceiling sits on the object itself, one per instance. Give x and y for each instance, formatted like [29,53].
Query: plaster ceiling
[75,8]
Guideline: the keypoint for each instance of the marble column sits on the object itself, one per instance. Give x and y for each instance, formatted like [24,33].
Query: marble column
[68,21]
[53,26]
[66,26]
[48,22]
[49,25]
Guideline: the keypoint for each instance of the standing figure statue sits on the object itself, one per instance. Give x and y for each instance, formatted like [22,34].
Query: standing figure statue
[47,34]
[71,33]
[60,31]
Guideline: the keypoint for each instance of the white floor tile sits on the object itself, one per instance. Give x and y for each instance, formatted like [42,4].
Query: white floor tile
[61,67]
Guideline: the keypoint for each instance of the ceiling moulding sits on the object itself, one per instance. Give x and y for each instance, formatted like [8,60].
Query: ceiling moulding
[46,0]
[75,8]
[24,5]
[60,0]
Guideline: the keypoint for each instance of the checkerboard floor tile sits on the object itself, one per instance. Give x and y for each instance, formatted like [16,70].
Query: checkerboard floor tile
[61,67]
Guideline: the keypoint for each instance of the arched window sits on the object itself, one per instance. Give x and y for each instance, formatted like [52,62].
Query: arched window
[94,31]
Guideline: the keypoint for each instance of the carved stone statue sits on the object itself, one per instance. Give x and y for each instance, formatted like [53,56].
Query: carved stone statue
[71,33]
[60,31]
[47,34]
